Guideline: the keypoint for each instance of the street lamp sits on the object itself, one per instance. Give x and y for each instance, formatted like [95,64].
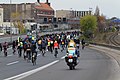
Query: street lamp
[10,20]
[35,17]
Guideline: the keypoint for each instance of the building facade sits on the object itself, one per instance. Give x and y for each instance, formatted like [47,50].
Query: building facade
[72,16]
[31,12]
[62,13]
[72,13]
[43,10]
[1,14]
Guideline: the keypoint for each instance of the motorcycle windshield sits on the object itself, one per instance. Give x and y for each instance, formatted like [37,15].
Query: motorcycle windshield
[71,51]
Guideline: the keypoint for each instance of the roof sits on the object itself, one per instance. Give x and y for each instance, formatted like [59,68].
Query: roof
[43,6]
[1,6]
[116,20]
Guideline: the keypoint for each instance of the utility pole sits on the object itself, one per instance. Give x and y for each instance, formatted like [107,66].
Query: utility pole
[36,22]
[10,19]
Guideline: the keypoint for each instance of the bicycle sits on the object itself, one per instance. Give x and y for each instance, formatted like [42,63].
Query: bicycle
[83,46]
[43,51]
[62,47]
[5,52]
[14,50]
[56,52]
[34,57]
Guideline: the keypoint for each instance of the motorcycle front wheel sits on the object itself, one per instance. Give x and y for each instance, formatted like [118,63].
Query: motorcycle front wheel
[71,67]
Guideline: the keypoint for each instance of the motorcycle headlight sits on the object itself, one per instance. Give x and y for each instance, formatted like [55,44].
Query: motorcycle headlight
[67,53]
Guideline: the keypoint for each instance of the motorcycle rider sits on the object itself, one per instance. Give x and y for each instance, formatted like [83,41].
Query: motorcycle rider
[72,49]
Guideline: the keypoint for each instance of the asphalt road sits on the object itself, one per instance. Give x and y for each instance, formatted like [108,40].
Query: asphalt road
[94,65]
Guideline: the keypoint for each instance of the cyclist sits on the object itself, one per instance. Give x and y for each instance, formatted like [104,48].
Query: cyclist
[48,44]
[28,51]
[62,44]
[0,48]
[24,48]
[20,47]
[5,45]
[33,49]
[83,43]
[56,47]
[43,47]
[51,45]
[40,44]
[77,41]
[14,47]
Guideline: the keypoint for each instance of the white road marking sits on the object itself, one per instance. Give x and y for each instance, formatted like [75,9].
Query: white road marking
[63,57]
[9,48]
[10,55]
[38,54]
[28,73]
[12,63]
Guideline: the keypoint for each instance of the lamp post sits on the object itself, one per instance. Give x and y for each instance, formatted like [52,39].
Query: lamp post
[35,17]
[10,20]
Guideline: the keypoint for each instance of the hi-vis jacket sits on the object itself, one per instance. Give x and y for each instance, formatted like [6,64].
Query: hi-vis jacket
[56,45]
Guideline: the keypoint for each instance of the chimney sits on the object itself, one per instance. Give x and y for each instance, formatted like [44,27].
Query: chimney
[47,2]
[38,1]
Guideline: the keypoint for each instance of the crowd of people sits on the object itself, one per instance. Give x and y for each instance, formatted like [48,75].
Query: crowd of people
[49,42]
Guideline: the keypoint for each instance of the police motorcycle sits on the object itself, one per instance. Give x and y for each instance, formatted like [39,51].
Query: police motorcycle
[71,58]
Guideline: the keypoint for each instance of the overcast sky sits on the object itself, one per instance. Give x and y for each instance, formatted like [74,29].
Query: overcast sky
[109,8]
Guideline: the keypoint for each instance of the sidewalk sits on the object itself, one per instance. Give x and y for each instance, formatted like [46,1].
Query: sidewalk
[114,55]
[108,51]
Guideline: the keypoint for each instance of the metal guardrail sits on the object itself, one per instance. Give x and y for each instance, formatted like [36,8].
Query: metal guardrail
[107,45]
[112,42]
[8,39]
[112,39]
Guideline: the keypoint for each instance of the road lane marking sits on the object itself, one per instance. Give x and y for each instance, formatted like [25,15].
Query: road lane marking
[12,63]
[63,57]
[38,54]
[28,73]
[10,55]
[9,48]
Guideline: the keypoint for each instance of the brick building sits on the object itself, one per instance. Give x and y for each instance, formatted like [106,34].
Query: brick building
[30,12]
